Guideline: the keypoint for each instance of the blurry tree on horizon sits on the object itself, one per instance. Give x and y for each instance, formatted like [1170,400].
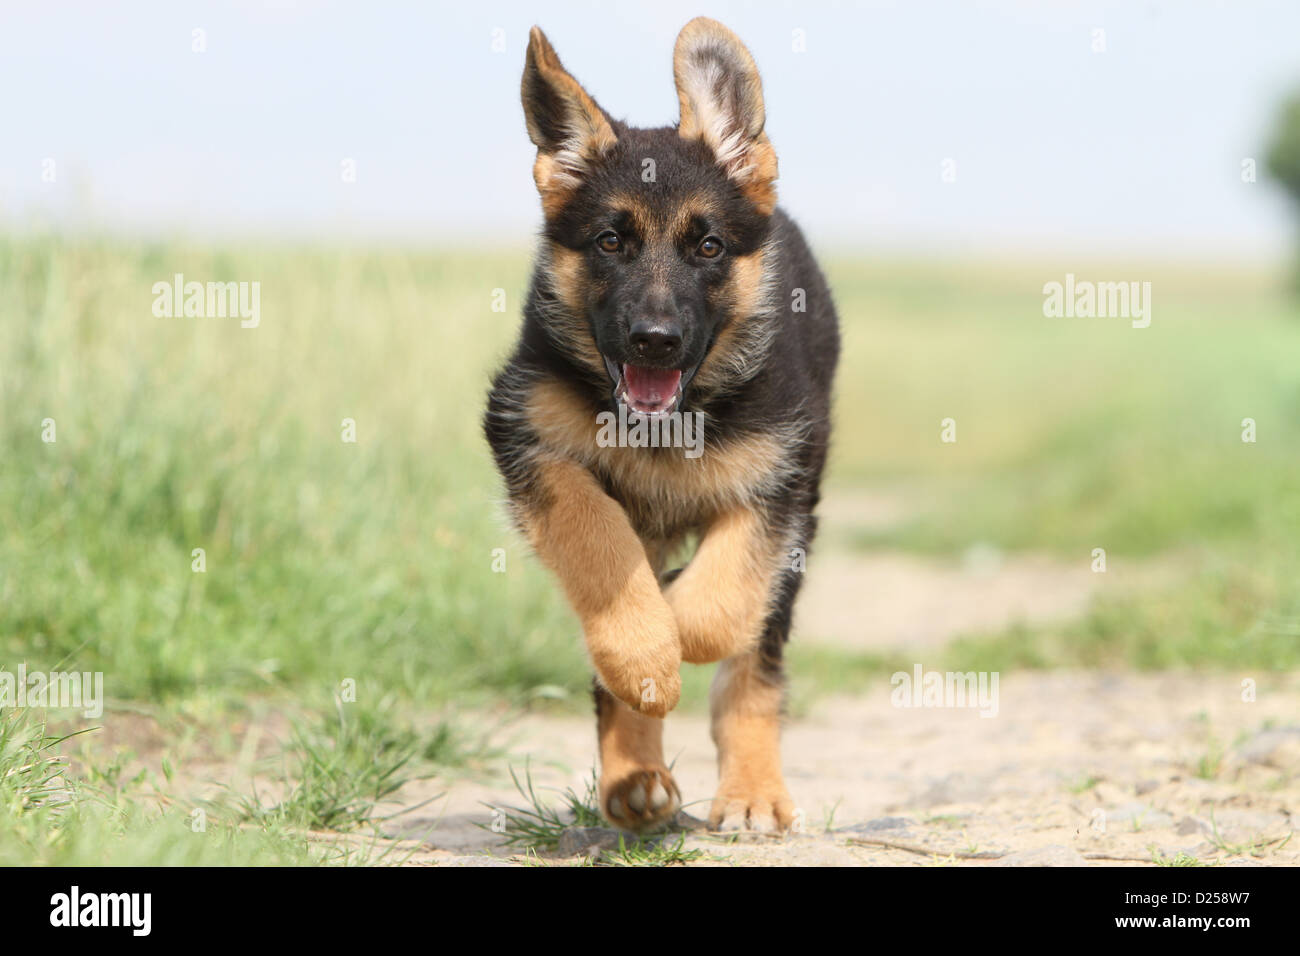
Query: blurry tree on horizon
[1284,162]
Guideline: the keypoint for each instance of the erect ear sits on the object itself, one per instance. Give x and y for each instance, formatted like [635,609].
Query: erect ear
[722,104]
[568,128]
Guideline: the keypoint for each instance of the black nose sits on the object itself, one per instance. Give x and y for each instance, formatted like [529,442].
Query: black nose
[655,340]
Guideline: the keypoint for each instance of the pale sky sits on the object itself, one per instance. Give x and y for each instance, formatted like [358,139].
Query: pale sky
[1138,148]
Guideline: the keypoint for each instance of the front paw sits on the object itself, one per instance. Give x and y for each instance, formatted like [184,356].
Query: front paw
[708,628]
[640,799]
[760,806]
[638,658]
[650,684]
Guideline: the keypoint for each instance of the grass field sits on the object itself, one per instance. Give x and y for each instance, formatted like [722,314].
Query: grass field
[372,562]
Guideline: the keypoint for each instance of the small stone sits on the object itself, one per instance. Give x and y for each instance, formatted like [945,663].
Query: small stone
[684,821]
[481,859]
[586,841]
[1279,747]
[879,825]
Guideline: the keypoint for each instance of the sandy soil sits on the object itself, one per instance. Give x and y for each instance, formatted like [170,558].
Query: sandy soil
[1076,769]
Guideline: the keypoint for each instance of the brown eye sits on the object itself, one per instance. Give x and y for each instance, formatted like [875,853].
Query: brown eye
[609,242]
[711,247]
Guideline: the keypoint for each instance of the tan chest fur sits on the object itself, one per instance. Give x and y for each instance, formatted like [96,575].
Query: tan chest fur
[663,491]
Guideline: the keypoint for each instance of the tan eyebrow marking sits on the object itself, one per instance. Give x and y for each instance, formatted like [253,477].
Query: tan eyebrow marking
[652,225]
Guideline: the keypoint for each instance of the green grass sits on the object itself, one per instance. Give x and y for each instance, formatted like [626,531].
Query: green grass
[31,767]
[1074,434]
[539,823]
[1071,433]
[536,827]
[1256,847]
[339,770]
[324,560]
[1083,783]
[657,852]
[1178,859]
[328,561]
[49,818]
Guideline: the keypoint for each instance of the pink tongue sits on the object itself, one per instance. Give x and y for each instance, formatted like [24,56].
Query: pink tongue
[651,386]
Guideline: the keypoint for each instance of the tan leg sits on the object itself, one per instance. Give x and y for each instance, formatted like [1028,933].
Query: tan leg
[584,536]
[637,791]
[746,712]
[721,598]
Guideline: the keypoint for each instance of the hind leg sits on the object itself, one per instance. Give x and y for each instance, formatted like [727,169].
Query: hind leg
[637,791]
[746,705]
[745,701]
[734,602]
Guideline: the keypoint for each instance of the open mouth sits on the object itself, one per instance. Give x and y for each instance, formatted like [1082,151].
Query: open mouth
[652,392]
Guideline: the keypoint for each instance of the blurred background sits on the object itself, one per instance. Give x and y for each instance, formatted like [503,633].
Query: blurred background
[369,167]
[1073,126]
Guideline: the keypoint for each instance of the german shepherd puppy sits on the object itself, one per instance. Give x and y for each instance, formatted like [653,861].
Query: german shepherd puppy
[668,283]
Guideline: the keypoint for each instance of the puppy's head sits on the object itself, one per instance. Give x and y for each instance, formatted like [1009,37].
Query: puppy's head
[653,237]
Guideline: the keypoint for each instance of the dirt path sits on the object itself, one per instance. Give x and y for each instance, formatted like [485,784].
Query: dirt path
[1075,769]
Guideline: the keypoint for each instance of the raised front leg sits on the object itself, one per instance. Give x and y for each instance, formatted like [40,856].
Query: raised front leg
[583,535]
[723,596]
